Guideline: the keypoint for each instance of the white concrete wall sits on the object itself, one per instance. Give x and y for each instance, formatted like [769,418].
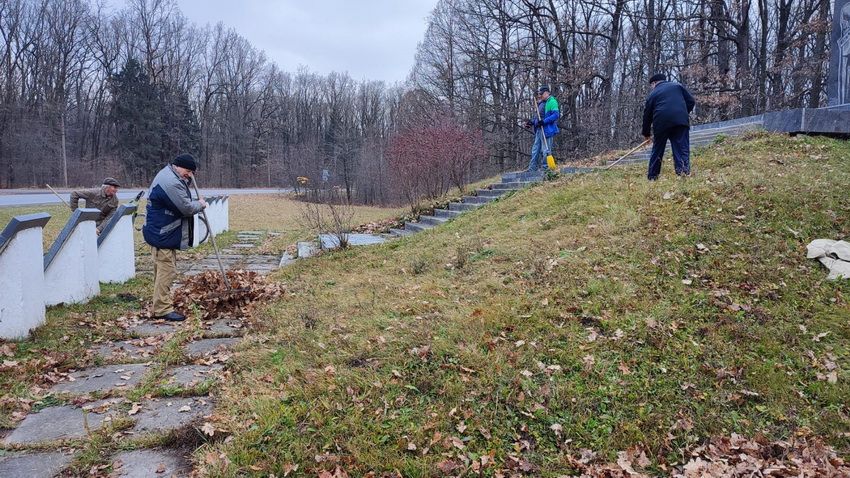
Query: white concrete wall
[219,216]
[226,214]
[73,275]
[116,254]
[22,285]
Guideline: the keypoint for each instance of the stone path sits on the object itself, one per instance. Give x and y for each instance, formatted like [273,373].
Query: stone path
[239,256]
[178,396]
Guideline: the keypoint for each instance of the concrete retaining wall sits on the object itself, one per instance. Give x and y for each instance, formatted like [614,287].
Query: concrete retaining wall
[219,216]
[22,276]
[115,247]
[71,264]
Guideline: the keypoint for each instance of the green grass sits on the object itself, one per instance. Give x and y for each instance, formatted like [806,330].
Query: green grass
[597,312]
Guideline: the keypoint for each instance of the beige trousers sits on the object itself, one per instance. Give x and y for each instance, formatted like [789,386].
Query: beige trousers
[164,271]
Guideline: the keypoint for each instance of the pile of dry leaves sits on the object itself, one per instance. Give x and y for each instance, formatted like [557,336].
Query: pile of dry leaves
[730,456]
[208,292]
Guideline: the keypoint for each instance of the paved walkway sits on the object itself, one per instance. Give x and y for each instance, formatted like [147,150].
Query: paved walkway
[179,394]
[179,397]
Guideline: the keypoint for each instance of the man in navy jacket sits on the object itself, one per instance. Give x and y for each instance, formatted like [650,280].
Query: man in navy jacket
[168,227]
[666,112]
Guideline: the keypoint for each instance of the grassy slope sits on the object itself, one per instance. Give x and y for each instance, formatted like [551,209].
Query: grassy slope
[594,312]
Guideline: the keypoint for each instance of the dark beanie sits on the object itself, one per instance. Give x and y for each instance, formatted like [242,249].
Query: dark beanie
[542,90]
[187,161]
[111,182]
[657,77]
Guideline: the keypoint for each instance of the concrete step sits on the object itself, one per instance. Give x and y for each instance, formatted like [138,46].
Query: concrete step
[513,186]
[433,221]
[698,138]
[478,199]
[490,192]
[460,206]
[446,213]
[522,176]
[416,226]
[400,232]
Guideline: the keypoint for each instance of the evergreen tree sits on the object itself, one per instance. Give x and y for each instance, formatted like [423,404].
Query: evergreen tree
[181,131]
[136,113]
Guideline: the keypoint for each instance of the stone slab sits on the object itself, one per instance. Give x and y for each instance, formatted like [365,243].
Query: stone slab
[134,349]
[243,246]
[103,379]
[329,241]
[188,376]
[307,249]
[286,259]
[207,347]
[161,416]
[156,329]
[62,423]
[148,463]
[34,465]
[222,328]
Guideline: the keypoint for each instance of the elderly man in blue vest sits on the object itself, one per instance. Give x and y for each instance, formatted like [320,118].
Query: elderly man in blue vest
[168,228]
[666,112]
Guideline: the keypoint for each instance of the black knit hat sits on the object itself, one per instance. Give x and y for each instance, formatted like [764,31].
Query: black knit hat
[111,182]
[542,89]
[657,77]
[187,161]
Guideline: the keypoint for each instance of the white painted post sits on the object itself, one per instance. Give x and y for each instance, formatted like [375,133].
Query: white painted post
[71,265]
[225,206]
[22,276]
[115,247]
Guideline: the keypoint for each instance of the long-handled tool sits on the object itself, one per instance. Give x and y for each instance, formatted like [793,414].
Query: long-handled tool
[229,290]
[627,154]
[550,160]
[57,195]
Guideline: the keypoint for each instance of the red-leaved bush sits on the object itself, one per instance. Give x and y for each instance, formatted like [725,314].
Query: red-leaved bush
[432,155]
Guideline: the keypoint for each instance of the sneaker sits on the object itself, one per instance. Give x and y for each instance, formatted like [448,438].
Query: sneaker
[172,317]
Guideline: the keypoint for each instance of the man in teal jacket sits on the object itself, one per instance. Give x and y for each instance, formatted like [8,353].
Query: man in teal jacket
[547,124]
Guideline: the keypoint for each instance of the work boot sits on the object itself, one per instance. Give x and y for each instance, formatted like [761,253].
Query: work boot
[172,317]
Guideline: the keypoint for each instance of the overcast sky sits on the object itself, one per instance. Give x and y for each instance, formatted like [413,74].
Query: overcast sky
[369,39]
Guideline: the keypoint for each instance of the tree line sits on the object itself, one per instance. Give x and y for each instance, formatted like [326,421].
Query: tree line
[485,58]
[89,91]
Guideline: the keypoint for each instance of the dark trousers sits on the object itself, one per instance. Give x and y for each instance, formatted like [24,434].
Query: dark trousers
[680,143]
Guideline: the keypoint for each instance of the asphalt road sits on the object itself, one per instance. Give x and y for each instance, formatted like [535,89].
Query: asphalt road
[32,197]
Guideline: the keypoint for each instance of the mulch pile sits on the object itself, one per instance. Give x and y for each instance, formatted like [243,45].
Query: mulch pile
[208,292]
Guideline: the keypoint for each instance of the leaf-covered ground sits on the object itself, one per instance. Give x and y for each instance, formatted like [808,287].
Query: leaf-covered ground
[588,325]
[597,324]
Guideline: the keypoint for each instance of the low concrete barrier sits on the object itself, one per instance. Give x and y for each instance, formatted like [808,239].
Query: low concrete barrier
[218,215]
[71,264]
[115,248]
[22,275]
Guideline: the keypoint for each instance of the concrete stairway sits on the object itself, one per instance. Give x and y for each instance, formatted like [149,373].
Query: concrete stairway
[701,135]
[510,182]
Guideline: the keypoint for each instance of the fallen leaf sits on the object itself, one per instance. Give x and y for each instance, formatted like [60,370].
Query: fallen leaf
[447,466]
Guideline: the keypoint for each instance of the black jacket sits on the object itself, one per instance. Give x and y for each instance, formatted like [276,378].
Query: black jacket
[668,105]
